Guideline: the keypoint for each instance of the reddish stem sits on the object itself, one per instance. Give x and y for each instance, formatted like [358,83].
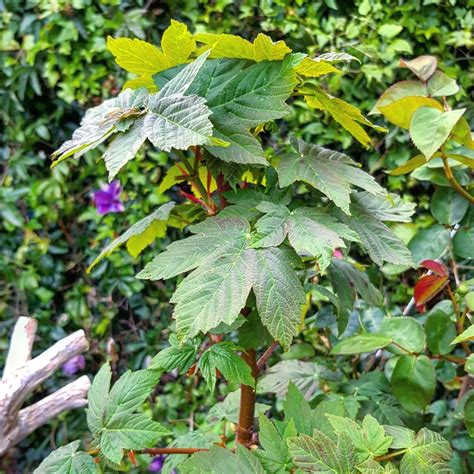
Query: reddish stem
[158,451]
[247,402]
[266,355]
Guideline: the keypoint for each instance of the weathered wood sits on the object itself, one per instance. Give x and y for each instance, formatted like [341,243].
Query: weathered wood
[22,375]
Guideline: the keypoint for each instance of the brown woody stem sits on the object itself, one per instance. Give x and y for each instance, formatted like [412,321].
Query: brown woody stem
[158,451]
[266,355]
[247,402]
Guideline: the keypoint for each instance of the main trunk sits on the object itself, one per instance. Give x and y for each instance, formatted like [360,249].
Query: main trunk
[247,403]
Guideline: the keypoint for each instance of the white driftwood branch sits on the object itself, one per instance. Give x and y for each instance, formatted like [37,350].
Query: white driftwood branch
[23,374]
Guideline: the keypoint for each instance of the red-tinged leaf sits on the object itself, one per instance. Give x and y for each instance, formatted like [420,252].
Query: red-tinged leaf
[436,267]
[426,288]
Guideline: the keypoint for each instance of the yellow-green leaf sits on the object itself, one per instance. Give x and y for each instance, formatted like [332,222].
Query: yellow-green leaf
[266,50]
[230,46]
[142,81]
[170,179]
[345,114]
[409,166]
[315,68]
[137,56]
[400,112]
[462,133]
[137,243]
[177,42]
[462,159]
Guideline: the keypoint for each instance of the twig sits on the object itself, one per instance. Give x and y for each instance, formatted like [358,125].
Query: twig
[158,451]
[266,355]
[453,181]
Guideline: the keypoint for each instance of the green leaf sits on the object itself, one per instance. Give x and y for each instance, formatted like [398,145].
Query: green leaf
[229,409]
[68,459]
[369,439]
[253,334]
[330,172]
[279,294]
[319,453]
[430,128]
[429,454]
[215,292]
[255,95]
[413,382]
[406,332]
[134,432]
[297,408]
[244,148]
[212,238]
[219,460]
[310,231]
[447,206]
[439,84]
[124,147]
[388,207]
[467,335]
[347,281]
[177,356]
[305,376]
[222,357]
[361,343]
[128,394]
[381,243]
[137,230]
[469,413]
[429,244]
[440,331]
[97,399]
[401,437]
[274,455]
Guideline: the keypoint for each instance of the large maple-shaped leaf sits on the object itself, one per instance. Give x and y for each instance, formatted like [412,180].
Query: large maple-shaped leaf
[212,237]
[68,459]
[319,453]
[429,453]
[256,95]
[241,95]
[169,119]
[377,239]
[310,231]
[226,269]
[330,172]
[216,291]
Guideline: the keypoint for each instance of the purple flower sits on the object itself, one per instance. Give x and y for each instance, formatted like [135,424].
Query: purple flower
[156,464]
[74,365]
[107,199]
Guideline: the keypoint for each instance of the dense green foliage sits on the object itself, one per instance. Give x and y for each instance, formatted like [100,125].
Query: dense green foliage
[57,63]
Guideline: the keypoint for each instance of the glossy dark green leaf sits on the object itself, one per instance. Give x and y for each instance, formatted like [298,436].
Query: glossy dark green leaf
[440,331]
[413,382]
[447,206]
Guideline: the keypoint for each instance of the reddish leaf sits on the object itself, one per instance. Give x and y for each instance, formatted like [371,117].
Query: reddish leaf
[436,267]
[133,459]
[426,288]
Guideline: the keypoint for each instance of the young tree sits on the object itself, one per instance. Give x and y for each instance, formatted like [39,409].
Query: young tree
[269,221]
